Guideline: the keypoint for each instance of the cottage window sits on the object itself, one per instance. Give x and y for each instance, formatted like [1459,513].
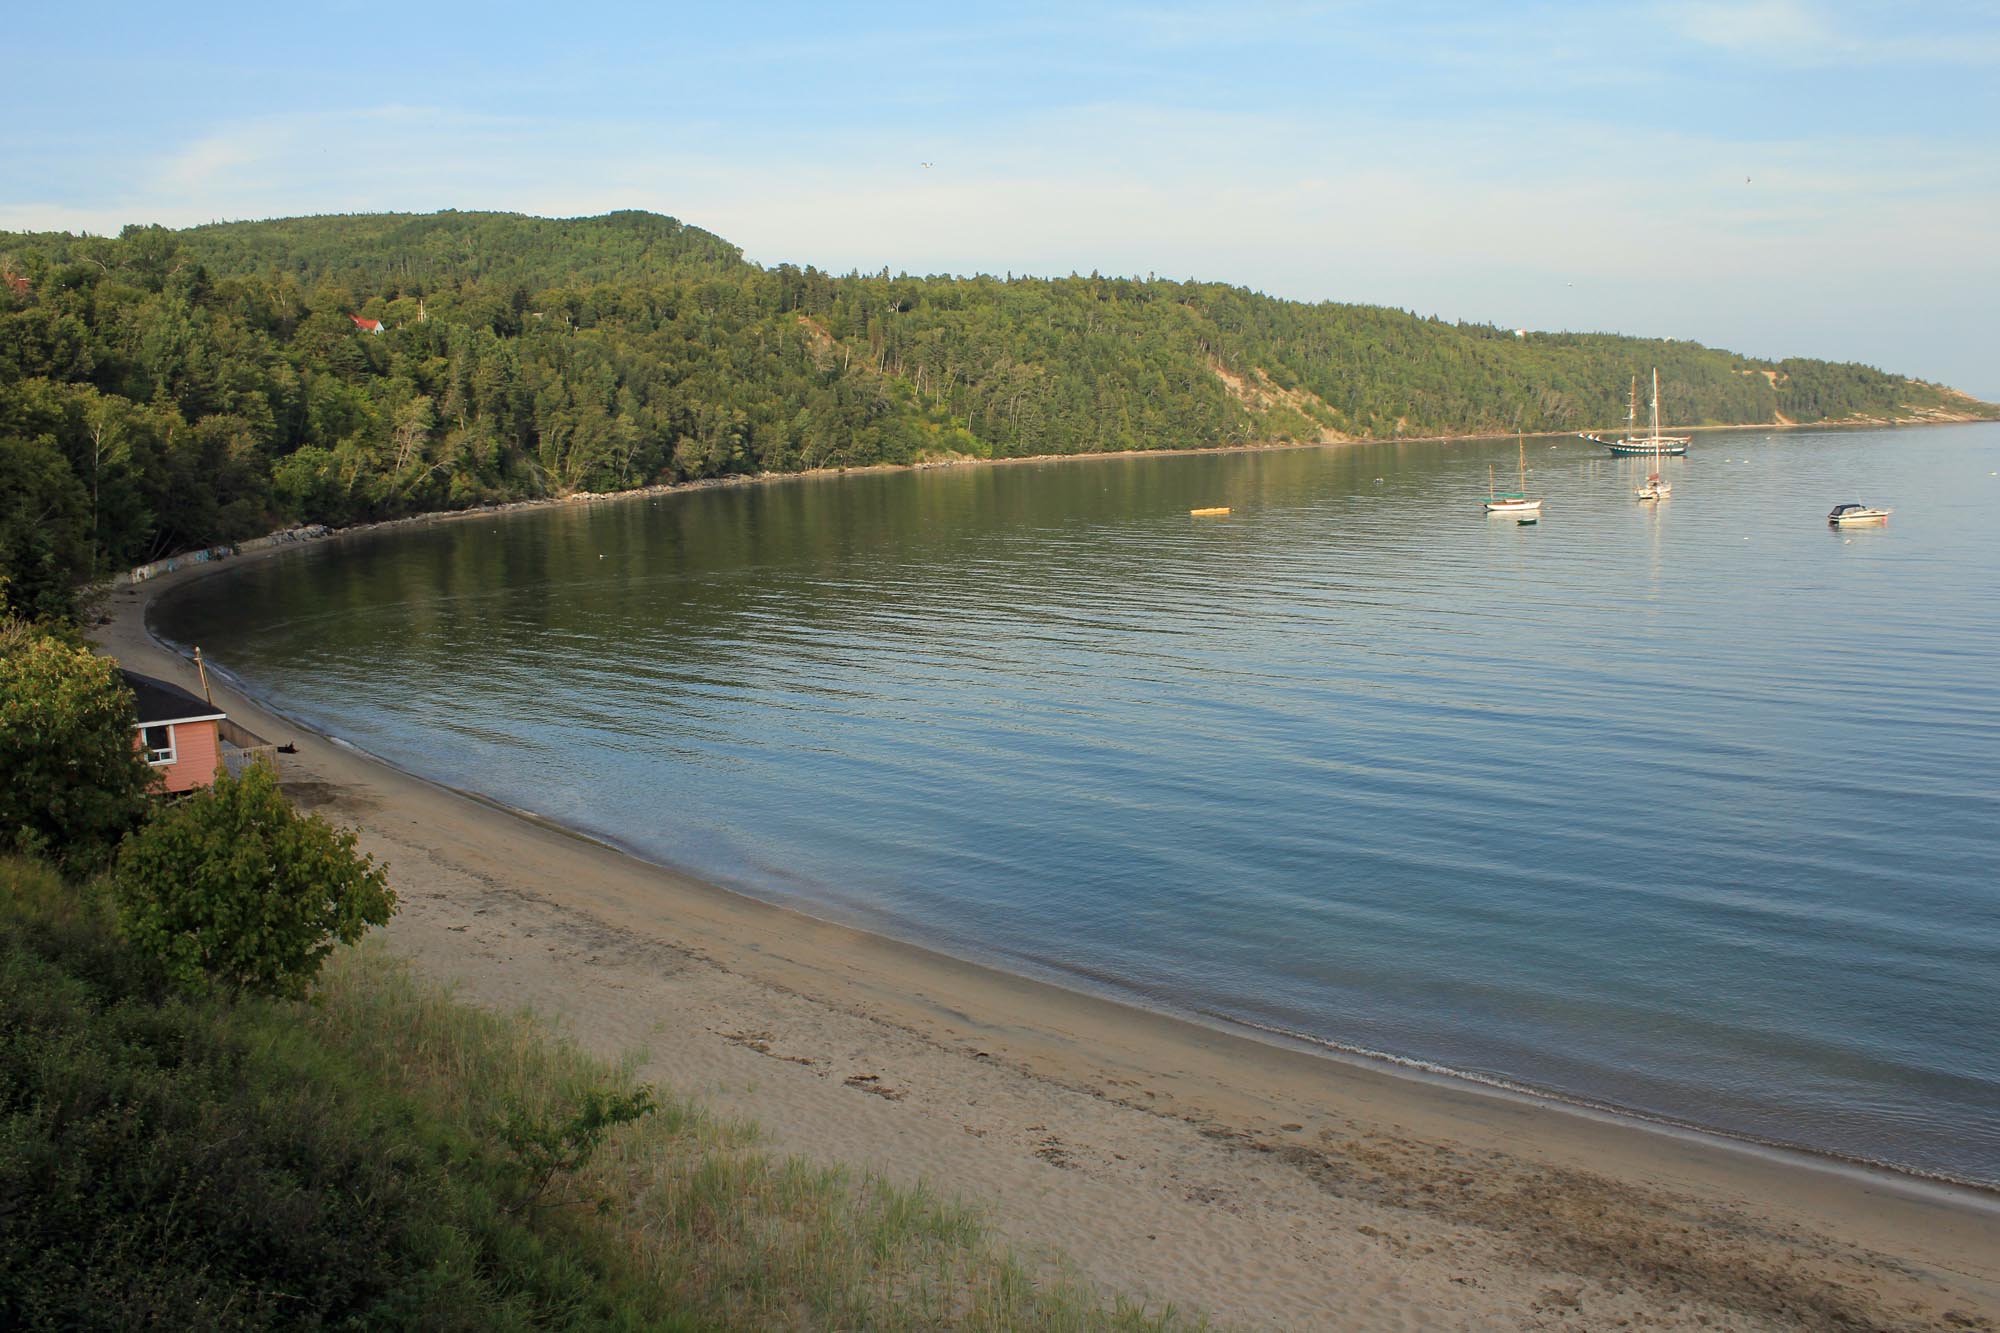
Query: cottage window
[159,745]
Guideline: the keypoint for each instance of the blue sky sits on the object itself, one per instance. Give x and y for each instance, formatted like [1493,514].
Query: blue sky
[1779,177]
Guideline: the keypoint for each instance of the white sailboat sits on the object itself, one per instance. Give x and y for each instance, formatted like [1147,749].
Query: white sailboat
[1516,502]
[1656,487]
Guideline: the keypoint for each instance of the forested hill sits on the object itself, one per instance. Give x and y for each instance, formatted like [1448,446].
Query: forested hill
[162,390]
[388,253]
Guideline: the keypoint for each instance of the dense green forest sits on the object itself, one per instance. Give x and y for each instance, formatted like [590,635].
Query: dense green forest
[163,390]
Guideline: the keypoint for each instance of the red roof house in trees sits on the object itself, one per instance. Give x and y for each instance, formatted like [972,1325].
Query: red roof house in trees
[366,325]
[178,732]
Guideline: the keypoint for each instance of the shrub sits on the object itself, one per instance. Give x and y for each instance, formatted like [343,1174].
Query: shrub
[189,1163]
[547,1145]
[74,783]
[233,889]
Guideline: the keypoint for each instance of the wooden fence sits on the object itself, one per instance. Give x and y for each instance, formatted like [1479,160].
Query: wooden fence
[242,747]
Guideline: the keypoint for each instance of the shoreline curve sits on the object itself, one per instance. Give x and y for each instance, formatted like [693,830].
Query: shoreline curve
[1390,1063]
[1156,1076]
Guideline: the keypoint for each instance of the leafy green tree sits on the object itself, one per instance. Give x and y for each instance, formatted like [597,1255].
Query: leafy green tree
[44,530]
[74,782]
[233,890]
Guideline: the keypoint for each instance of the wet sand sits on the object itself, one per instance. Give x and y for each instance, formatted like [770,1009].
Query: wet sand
[1265,1185]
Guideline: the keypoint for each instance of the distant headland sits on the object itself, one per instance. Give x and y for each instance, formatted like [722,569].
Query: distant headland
[179,389]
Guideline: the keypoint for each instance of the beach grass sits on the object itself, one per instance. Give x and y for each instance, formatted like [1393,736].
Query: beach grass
[690,1203]
[358,1157]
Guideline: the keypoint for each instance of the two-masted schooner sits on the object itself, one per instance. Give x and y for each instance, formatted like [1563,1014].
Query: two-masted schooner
[1653,443]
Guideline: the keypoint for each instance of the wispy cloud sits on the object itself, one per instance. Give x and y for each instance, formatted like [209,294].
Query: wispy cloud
[1760,26]
[219,162]
[1211,23]
[1792,32]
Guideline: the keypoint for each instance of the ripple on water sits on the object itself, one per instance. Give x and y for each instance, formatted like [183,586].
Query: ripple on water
[1622,806]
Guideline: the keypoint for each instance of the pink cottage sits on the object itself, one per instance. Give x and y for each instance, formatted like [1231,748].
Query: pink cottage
[177,732]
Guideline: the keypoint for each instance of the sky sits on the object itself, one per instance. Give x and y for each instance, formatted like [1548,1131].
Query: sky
[1779,177]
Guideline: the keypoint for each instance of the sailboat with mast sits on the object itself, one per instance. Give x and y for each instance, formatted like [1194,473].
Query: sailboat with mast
[1654,444]
[1512,502]
[1656,487]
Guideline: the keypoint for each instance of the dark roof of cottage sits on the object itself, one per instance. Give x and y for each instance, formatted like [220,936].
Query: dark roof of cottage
[161,702]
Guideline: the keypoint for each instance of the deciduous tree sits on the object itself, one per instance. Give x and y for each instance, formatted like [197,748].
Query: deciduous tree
[234,890]
[72,783]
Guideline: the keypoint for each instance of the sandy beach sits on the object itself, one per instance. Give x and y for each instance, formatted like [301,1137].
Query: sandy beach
[1268,1186]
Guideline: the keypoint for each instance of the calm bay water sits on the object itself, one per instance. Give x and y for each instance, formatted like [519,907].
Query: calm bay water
[1691,810]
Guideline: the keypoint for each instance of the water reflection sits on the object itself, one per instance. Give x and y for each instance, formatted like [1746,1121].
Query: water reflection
[1355,761]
